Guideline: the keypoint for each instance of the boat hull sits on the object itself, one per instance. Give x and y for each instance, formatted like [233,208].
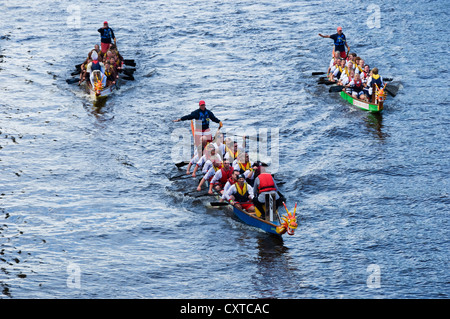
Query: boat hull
[107,91]
[253,220]
[366,106]
[246,218]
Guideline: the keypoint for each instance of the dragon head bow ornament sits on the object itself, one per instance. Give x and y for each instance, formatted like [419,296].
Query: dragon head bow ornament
[380,94]
[289,222]
[98,86]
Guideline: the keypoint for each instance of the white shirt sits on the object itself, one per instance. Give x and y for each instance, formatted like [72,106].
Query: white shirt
[233,190]
[220,149]
[218,176]
[209,174]
[89,67]
[247,172]
[204,159]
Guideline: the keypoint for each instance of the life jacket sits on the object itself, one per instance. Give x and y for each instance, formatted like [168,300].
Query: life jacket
[106,34]
[232,154]
[225,176]
[231,181]
[376,79]
[357,85]
[359,68]
[204,118]
[96,66]
[346,70]
[266,183]
[339,72]
[243,167]
[242,193]
[340,39]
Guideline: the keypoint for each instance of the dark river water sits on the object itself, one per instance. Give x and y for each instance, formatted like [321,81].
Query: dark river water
[87,209]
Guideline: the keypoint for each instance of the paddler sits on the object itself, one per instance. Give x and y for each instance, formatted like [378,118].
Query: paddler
[202,116]
[374,81]
[205,162]
[240,195]
[245,167]
[340,42]
[97,68]
[216,166]
[221,177]
[230,182]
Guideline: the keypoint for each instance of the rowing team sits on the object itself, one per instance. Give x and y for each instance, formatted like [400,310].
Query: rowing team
[357,77]
[227,168]
[102,67]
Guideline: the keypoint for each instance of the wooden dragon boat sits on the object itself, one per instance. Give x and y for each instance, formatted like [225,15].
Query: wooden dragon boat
[273,223]
[97,91]
[375,105]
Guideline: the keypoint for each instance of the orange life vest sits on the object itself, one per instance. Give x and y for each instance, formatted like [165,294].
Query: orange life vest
[266,183]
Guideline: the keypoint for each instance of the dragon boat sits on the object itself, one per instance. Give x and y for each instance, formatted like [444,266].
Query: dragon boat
[97,90]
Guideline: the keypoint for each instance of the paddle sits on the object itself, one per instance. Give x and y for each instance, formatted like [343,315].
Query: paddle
[184,175]
[181,164]
[219,204]
[319,73]
[128,78]
[129,62]
[226,203]
[72,81]
[326,82]
[196,194]
[337,88]
[392,89]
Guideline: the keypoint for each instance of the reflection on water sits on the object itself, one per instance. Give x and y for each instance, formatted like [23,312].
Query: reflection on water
[276,270]
[374,122]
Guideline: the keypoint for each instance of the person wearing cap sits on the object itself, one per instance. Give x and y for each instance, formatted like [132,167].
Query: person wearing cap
[202,116]
[106,37]
[240,195]
[340,42]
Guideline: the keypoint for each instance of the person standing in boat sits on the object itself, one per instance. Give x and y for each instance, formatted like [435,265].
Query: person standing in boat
[106,37]
[340,42]
[202,116]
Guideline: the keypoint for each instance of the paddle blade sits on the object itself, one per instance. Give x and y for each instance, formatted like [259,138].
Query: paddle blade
[216,204]
[72,81]
[129,62]
[337,88]
[318,73]
[392,89]
[181,164]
